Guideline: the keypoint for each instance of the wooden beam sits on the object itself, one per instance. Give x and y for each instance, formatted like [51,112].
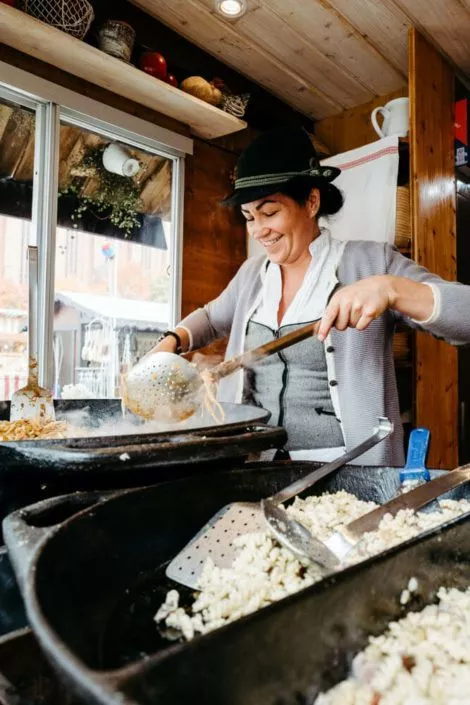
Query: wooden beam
[434,227]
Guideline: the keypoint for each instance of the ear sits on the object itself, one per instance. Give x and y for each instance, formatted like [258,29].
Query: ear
[313,202]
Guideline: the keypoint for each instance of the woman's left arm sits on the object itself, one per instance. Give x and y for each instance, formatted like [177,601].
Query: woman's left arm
[422,299]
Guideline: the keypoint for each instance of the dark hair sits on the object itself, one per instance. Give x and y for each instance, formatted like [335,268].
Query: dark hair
[331,198]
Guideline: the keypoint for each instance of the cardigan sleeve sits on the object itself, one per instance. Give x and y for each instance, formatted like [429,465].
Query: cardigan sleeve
[451,319]
[214,320]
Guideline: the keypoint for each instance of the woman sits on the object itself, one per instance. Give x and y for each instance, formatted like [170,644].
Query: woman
[328,391]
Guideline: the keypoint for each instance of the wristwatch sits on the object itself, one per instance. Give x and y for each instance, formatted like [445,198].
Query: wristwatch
[166,333]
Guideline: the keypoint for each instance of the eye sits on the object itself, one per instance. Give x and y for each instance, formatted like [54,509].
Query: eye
[268,215]
[247,217]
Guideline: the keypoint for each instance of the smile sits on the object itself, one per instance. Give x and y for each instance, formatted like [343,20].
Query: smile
[267,243]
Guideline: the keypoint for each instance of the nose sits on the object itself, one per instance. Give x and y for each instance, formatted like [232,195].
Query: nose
[258,233]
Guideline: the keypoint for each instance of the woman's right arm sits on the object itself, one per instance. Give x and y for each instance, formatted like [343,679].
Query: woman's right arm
[208,323]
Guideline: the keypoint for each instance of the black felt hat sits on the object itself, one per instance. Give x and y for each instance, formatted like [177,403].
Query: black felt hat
[274,159]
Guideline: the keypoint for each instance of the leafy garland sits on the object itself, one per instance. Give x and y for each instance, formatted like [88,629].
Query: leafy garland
[116,198]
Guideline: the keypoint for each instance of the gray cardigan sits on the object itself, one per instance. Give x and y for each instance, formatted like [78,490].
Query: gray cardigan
[360,363]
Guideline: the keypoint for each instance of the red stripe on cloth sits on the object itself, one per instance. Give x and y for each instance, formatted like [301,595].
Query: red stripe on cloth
[368,158]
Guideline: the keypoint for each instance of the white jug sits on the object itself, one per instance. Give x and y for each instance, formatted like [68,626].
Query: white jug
[396,119]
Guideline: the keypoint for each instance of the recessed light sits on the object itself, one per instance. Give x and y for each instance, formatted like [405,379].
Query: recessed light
[232,9]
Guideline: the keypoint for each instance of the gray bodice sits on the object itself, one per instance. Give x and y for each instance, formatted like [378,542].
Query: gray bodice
[293,385]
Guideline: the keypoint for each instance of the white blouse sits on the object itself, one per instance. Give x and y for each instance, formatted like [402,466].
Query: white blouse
[308,304]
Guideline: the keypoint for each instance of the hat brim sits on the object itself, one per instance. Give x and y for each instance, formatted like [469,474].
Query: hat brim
[253,193]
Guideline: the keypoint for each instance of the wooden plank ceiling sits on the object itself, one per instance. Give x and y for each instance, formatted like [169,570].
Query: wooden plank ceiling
[321,56]
[17,156]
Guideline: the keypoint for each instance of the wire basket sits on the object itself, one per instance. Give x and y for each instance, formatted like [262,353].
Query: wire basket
[71,16]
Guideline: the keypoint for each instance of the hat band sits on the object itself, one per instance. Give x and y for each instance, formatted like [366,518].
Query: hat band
[268,179]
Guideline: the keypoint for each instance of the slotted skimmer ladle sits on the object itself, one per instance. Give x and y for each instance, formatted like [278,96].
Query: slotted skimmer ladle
[165,386]
[32,402]
[215,540]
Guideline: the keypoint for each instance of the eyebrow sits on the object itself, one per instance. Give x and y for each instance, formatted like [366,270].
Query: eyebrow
[260,205]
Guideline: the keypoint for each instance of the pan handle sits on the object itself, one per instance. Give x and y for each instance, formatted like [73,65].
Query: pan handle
[25,529]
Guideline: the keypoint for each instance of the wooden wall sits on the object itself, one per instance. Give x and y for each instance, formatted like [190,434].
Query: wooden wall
[214,235]
[434,236]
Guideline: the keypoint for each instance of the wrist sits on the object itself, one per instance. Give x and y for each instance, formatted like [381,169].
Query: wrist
[392,289]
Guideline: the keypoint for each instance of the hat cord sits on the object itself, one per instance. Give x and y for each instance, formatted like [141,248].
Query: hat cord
[281,177]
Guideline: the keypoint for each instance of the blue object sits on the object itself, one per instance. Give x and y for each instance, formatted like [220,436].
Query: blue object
[415,469]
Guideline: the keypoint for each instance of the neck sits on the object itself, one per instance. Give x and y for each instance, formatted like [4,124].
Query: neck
[299,267]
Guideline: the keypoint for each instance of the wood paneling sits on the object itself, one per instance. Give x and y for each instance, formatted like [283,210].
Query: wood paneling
[321,55]
[434,227]
[197,24]
[352,128]
[384,25]
[446,23]
[214,236]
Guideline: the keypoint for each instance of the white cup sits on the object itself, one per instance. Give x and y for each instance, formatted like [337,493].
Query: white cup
[396,118]
[118,161]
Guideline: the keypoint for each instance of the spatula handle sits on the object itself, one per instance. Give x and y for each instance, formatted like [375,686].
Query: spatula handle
[33,314]
[248,358]
[383,430]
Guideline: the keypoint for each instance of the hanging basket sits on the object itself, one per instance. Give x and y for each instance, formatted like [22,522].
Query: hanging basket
[71,16]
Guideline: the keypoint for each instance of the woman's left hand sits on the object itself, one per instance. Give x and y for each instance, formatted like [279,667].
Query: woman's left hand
[358,304]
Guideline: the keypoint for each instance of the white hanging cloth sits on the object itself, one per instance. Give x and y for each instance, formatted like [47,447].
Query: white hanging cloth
[368,181]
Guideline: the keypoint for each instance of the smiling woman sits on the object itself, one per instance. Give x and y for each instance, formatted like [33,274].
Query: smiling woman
[329,390]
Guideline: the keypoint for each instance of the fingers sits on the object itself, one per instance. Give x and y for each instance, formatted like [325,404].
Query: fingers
[347,310]
[328,319]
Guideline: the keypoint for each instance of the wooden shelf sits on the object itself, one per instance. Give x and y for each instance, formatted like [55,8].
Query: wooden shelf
[26,34]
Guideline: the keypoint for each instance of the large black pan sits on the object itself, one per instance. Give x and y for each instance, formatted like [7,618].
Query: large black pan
[93,583]
[33,470]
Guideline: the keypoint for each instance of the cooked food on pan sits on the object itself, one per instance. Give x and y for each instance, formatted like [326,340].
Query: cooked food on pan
[423,659]
[26,429]
[264,571]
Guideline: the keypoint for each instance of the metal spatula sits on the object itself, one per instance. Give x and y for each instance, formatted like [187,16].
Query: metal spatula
[215,540]
[166,386]
[330,553]
[32,402]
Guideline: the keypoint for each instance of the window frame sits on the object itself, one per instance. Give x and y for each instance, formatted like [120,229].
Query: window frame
[52,105]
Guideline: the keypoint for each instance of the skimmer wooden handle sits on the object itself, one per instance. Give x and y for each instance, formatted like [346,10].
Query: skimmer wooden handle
[248,358]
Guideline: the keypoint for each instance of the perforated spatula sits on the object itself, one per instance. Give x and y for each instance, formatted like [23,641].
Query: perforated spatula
[215,540]
[32,402]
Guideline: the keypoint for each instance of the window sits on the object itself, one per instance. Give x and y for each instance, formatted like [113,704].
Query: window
[17,140]
[108,229]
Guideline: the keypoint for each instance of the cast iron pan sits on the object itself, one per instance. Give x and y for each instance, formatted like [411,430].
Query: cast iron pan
[93,582]
[34,470]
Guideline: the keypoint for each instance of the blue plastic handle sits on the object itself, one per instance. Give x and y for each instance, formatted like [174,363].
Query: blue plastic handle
[415,468]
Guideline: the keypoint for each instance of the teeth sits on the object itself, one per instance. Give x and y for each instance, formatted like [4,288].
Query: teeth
[271,242]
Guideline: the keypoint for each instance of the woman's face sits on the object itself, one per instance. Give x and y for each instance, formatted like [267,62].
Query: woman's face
[282,226]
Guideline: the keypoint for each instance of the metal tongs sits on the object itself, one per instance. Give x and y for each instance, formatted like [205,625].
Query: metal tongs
[167,387]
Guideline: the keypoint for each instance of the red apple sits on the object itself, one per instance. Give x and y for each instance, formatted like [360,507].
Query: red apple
[153,63]
[172,80]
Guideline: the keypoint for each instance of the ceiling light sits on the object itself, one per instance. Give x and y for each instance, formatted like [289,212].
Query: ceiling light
[231,9]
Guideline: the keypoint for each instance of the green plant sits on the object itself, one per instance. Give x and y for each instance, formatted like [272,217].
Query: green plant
[115,197]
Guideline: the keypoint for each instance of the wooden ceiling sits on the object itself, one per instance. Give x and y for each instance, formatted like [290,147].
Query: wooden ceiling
[321,56]
[17,155]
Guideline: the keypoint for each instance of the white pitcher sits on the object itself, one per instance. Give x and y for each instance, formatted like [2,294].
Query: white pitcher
[396,118]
